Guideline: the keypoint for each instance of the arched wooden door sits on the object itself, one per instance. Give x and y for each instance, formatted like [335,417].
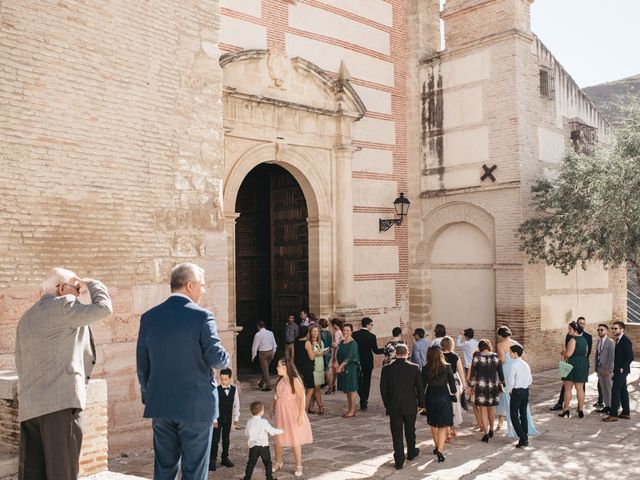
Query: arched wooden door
[272,254]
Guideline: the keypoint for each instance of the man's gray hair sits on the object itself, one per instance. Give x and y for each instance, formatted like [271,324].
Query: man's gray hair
[55,277]
[185,273]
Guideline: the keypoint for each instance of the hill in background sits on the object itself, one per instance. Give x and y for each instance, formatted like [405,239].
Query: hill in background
[608,97]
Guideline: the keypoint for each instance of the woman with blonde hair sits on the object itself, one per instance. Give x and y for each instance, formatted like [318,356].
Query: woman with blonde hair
[318,350]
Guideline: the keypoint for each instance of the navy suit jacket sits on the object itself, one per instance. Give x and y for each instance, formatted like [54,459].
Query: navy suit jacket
[623,356]
[367,346]
[178,345]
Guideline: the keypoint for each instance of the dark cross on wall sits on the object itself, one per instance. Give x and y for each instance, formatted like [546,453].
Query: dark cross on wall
[488,173]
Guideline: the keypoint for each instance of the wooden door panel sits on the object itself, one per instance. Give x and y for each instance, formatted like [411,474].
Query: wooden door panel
[272,267]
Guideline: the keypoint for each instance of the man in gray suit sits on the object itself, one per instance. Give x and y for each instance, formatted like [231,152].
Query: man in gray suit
[604,365]
[55,355]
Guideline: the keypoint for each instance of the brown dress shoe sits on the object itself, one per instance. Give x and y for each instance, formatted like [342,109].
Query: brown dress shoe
[625,416]
[610,418]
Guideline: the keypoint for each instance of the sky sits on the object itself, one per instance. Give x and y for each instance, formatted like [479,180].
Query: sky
[596,41]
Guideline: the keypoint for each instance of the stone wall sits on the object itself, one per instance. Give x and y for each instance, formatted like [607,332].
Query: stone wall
[93,456]
[111,161]
[368,37]
[483,107]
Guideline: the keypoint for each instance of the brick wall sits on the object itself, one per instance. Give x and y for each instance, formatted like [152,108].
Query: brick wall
[488,78]
[111,161]
[370,41]
[93,456]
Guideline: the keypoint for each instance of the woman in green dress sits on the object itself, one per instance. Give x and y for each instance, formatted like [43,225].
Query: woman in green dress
[348,369]
[576,355]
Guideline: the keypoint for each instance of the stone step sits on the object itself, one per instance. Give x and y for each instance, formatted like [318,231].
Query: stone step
[111,476]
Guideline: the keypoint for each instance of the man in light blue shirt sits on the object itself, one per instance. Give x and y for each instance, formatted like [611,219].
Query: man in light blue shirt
[420,347]
[468,345]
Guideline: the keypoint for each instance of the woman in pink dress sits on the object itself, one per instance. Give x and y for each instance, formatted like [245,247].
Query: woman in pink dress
[290,414]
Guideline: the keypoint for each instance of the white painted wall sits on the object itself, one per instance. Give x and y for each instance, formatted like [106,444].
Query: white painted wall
[462,278]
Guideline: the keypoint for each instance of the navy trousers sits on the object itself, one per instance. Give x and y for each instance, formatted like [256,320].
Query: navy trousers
[619,394]
[518,413]
[364,386]
[187,444]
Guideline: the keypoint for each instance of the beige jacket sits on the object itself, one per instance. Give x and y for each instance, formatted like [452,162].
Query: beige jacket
[55,353]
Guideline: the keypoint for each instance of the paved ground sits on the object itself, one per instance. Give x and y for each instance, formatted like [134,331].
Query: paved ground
[360,448]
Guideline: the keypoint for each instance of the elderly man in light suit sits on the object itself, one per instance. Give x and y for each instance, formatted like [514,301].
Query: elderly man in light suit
[55,355]
[178,346]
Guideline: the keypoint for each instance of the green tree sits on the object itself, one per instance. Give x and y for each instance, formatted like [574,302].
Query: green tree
[590,209]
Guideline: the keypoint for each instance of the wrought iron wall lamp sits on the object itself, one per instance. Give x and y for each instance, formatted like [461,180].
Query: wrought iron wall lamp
[401,204]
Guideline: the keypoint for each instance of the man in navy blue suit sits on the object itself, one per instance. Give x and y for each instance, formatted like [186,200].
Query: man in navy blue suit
[178,346]
[622,359]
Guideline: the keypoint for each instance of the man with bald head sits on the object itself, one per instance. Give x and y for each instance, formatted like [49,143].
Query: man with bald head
[55,355]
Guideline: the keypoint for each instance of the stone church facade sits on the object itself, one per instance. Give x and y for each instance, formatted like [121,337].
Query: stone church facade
[264,140]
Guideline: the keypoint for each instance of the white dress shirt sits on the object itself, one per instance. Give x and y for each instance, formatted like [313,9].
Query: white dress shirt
[468,348]
[258,431]
[176,294]
[263,341]
[235,410]
[519,375]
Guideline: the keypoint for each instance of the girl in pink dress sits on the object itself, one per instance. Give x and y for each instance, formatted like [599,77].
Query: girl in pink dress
[290,414]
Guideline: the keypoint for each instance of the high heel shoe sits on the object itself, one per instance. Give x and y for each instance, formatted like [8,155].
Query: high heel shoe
[440,456]
[276,466]
[435,451]
[565,413]
[485,438]
[580,414]
[321,410]
[298,471]
[490,433]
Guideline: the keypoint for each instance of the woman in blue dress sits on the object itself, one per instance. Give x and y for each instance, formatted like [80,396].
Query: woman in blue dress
[502,348]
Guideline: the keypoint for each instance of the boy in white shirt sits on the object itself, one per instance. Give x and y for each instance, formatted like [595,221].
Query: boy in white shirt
[257,433]
[518,383]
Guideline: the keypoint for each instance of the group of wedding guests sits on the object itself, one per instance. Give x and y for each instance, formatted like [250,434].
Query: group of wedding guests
[427,377]
[612,364]
[437,382]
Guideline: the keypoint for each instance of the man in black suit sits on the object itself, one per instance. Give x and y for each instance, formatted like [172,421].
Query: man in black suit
[622,359]
[367,346]
[582,322]
[403,397]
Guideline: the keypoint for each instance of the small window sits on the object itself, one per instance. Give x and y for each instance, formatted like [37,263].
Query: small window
[547,83]
[583,137]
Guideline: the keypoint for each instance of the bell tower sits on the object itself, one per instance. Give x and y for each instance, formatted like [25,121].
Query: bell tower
[467,21]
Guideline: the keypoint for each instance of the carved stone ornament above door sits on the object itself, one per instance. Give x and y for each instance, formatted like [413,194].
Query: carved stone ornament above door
[261,77]
[279,65]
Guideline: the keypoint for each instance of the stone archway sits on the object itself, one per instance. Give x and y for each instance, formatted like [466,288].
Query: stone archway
[291,113]
[456,259]
[320,220]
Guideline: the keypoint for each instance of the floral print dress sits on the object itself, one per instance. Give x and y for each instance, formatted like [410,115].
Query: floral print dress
[487,379]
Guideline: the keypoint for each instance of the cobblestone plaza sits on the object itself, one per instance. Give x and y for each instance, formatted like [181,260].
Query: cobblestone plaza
[360,448]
